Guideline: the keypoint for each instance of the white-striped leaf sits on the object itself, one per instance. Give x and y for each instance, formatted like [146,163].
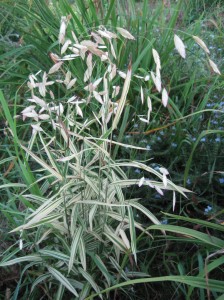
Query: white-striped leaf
[82,253]
[123,98]
[74,247]
[132,233]
[20,260]
[145,211]
[43,164]
[91,281]
[63,280]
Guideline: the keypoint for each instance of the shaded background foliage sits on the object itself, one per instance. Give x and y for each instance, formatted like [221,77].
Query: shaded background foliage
[187,138]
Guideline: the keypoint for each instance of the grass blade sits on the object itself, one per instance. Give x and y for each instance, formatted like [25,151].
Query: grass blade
[63,280]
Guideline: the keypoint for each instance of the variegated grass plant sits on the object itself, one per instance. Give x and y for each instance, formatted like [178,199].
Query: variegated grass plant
[77,229]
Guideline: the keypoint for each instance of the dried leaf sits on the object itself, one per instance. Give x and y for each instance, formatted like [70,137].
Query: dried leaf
[214,67]
[36,127]
[126,34]
[164,171]
[97,82]
[55,67]
[104,34]
[165,97]
[52,95]
[149,103]
[158,74]
[69,57]
[54,57]
[104,56]
[28,109]
[75,38]
[72,99]
[122,74]
[60,109]
[116,90]
[42,89]
[38,101]
[108,117]
[31,83]
[44,117]
[61,37]
[79,111]
[138,76]
[157,82]
[112,49]
[89,70]
[20,247]
[88,43]
[164,180]
[74,50]
[111,34]
[179,45]
[65,46]
[96,51]
[201,44]
[89,87]
[89,61]
[80,47]
[158,189]
[174,200]
[113,72]
[98,97]
[156,58]
[31,114]
[147,77]
[141,181]
[67,78]
[97,38]
[142,95]
[144,120]
[71,83]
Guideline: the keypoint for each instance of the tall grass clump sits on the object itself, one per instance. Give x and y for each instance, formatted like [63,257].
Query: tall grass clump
[77,223]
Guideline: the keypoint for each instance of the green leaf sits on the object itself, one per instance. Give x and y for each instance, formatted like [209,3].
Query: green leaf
[99,263]
[197,221]
[9,118]
[196,235]
[132,233]
[188,164]
[213,285]
[13,185]
[39,280]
